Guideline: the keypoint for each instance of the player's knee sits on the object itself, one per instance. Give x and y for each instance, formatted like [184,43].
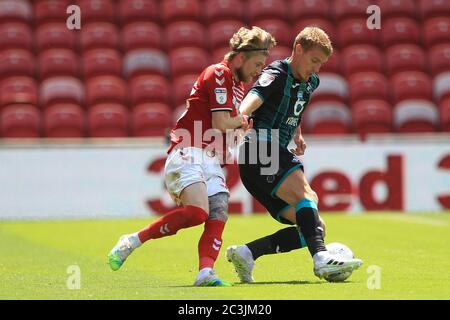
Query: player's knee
[218,206]
[196,216]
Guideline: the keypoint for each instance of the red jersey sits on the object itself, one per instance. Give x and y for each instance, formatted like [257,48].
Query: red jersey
[214,90]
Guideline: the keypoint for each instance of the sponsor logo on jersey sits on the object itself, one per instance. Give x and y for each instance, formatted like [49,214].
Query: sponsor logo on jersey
[221,95]
[266,79]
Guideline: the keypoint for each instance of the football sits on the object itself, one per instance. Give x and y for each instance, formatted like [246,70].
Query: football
[341,250]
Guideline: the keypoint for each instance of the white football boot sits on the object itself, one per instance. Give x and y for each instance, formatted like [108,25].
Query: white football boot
[121,251]
[326,264]
[207,278]
[243,262]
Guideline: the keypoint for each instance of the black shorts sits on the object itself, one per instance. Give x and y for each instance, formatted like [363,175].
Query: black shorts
[263,186]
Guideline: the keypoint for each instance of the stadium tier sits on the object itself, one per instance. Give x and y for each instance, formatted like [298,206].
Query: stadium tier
[129,69]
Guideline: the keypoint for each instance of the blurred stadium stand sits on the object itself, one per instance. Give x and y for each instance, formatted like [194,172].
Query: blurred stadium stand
[132,64]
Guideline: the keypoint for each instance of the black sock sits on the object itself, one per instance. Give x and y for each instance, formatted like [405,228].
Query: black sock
[307,217]
[284,240]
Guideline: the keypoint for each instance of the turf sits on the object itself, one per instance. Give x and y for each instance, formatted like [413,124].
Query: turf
[410,251]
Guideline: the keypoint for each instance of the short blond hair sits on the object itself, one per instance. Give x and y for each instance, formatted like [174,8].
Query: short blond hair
[250,42]
[314,37]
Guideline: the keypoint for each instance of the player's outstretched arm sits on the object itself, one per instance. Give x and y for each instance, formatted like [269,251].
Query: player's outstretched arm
[250,103]
[223,121]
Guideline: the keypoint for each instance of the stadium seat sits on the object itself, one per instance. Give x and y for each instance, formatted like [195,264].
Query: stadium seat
[16,11]
[49,10]
[182,87]
[397,8]
[436,31]
[441,86]
[138,35]
[279,52]
[99,35]
[97,10]
[444,110]
[372,116]
[309,9]
[327,117]
[20,121]
[411,85]
[64,121]
[400,30]
[145,61]
[16,62]
[178,112]
[266,9]
[149,88]
[362,57]
[187,60]
[15,35]
[405,57]
[368,85]
[439,58]
[54,35]
[433,8]
[216,10]
[61,90]
[151,119]
[355,31]
[280,29]
[58,62]
[415,116]
[219,53]
[344,9]
[332,87]
[185,34]
[177,10]
[108,120]
[220,32]
[19,89]
[325,25]
[130,11]
[102,62]
[106,89]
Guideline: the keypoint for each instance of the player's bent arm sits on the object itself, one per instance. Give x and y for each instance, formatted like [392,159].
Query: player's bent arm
[222,121]
[250,103]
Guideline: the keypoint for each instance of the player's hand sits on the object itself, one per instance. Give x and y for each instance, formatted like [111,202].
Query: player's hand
[301,146]
[246,124]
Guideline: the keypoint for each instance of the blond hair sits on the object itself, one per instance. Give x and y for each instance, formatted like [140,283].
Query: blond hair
[250,42]
[314,37]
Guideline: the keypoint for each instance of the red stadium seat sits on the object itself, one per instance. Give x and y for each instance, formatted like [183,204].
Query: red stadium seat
[433,8]
[372,116]
[334,64]
[145,61]
[307,9]
[185,34]
[368,85]
[323,24]
[216,10]
[219,53]
[441,86]
[102,62]
[151,119]
[18,89]
[56,35]
[64,121]
[266,9]
[415,116]
[178,112]
[397,8]
[15,35]
[108,120]
[400,30]
[411,85]
[130,11]
[182,87]
[355,31]
[139,35]
[50,10]
[16,62]
[15,11]
[20,121]
[444,110]
[405,57]
[99,35]
[279,52]
[187,60]
[439,58]
[280,29]
[328,117]
[149,88]
[221,32]
[332,87]
[344,9]
[104,89]
[436,31]
[97,10]
[61,90]
[58,62]
[177,10]
[362,57]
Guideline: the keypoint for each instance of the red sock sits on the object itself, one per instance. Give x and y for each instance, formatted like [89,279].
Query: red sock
[210,243]
[173,221]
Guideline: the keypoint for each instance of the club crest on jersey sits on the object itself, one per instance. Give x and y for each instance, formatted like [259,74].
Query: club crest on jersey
[221,95]
[266,79]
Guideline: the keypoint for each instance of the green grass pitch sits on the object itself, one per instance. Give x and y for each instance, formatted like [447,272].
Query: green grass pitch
[408,255]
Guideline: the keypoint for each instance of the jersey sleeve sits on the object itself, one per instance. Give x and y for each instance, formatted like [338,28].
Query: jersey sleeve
[269,81]
[219,85]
